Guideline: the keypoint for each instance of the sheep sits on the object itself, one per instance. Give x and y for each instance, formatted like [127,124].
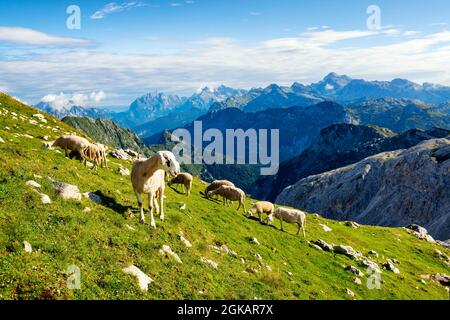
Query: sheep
[93,153]
[260,208]
[217,184]
[289,216]
[103,153]
[231,194]
[147,177]
[72,143]
[184,179]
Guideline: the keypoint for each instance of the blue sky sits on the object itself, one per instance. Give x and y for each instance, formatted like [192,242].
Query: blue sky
[127,48]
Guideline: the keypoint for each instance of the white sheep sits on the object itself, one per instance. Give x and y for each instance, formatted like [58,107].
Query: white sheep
[231,194]
[185,179]
[289,216]
[72,143]
[147,176]
[261,207]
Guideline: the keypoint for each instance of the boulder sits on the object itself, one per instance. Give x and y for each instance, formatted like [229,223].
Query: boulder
[45,199]
[27,247]
[124,171]
[323,245]
[355,271]
[67,191]
[388,265]
[420,232]
[167,251]
[325,228]
[352,224]
[348,251]
[186,242]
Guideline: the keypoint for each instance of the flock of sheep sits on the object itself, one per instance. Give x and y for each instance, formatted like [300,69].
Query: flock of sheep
[148,177]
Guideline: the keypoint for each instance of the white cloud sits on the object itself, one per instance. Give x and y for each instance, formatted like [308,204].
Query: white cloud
[254,13]
[62,100]
[304,58]
[27,36]
[176,4]
[114,7]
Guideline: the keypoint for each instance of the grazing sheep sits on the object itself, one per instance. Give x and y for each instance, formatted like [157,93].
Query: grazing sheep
[217,184]
[103,153]
[147,176]
[260,208]
[93,153]
[290,216]
[231,194]
[72,143]
[184,179]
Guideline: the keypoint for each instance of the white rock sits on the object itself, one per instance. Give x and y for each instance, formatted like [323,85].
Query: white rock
[167,251]
[46,138]
[258,257]
[325,228]
[183,207]
[255,241]
[27,136]
[36,176]
[130,227]
[1,140]
[210,262]
[67,191]
[27,247]
[124,171]
[33,184]
[350,293]
[268,268]
[87,210]
[142,278]
[45,199]
[185,241]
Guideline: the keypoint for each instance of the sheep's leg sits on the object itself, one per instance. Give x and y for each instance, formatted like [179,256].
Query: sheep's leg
[161,206]
[298,230]
[239,206]
[281,224]
[150,208]
[260,216]
[304,227]
[141,206]
[155,202]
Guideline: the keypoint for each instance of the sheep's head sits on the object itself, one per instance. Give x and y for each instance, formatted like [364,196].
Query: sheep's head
[169,163]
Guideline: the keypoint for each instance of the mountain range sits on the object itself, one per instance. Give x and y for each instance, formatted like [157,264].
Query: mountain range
[145,111]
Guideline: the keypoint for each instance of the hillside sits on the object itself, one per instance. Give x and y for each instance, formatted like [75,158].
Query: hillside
[109,238]
[337,146]
[392,189]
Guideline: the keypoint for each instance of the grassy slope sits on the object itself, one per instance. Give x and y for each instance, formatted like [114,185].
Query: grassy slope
[101,245]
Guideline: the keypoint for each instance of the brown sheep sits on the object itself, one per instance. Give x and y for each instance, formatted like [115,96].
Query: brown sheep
[185,179]
[231,194]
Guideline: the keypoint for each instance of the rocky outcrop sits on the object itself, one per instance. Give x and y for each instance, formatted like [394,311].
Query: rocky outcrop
[395,188]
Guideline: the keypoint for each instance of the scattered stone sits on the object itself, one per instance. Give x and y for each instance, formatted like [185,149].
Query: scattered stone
[352,224]
[45,138]
[93,197]
[37,176]
[142,278]
[441,278]
[255,241]
[33,184]
[185,241]
[373,253]
[268,268]
[323,245]
[183,207]
[445,244]
[370,264]
[27,247]
[87,210]
[225,249]
[325,228]
[124,171]
[47,145]
[388,265]
[121,154]
[289,274]
[167,251]
[27,136]
[130,227]
[210,262]
[420,232]
[423,282]
[67,191]
[357,281]
[350,293]
[45,199]
[258,257]
[355,271]
[1,140]
[315,246]
[348,251]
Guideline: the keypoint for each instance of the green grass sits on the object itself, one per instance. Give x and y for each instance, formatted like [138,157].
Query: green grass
[100,243]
